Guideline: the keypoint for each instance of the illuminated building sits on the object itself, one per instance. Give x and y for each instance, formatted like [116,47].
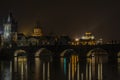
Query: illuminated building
[76,41]
[37,30]
[9,30]
[21,40]
[100,41]
[33,40]
[88,39]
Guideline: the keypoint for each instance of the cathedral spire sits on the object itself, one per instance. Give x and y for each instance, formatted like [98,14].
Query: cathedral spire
[9,19]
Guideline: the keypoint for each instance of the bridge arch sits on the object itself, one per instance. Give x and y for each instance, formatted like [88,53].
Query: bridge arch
[44,54]
[97,55]
[69,61]
[20,60]
[20,53]
[68,53]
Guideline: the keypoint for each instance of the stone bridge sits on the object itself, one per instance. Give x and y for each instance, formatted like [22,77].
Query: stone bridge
[111,51]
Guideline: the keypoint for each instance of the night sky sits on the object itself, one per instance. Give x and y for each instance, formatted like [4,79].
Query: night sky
[72,18]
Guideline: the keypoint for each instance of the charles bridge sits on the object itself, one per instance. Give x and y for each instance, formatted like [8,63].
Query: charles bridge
[112,51]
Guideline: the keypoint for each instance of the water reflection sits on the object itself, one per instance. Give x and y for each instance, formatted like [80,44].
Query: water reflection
[20,67]
[37,68]
[70,69]
[6,70]
[94,71]
[43,68]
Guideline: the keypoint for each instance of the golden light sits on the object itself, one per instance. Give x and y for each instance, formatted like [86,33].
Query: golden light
[76,39]
[92,37]
[88,33]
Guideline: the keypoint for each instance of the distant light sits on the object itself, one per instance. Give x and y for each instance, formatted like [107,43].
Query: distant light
[76,39]
[88,36]
[92,37]
[101,39]
[88,33]
[85,37]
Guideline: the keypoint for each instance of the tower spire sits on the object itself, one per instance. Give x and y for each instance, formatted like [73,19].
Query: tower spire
[10,30]
[9,19]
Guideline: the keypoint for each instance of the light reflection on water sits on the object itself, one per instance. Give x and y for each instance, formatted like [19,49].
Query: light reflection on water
[73,69]
[37,68]
[6,70]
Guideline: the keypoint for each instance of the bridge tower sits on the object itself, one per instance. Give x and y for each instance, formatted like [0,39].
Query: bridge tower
[9,31]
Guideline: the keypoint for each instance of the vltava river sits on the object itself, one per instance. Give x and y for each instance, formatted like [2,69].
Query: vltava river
[60,69]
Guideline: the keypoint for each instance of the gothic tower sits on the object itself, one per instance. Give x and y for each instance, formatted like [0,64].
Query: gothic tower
[10,30]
